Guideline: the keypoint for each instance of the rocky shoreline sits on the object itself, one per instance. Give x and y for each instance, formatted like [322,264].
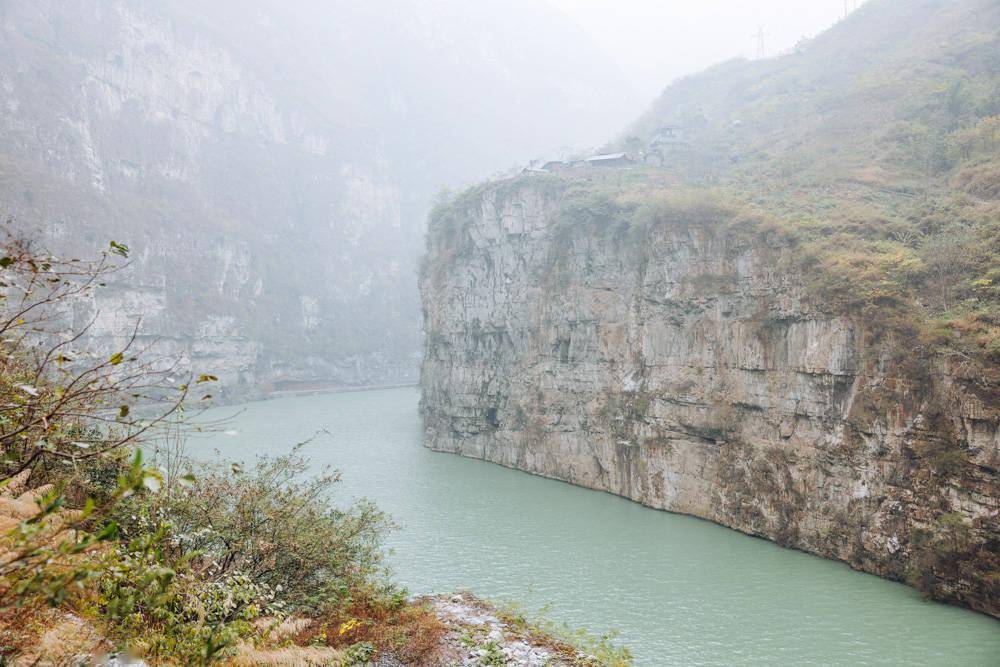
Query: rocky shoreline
[481,634]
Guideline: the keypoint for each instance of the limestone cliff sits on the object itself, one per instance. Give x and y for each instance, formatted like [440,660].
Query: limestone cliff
[270,163]
[684,364]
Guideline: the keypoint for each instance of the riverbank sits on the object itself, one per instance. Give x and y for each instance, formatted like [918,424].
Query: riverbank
[313,388]
[464,630]
[370,629]
[480,633]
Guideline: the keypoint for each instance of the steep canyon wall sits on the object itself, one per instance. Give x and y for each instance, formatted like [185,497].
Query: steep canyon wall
[685,366]
[271,163]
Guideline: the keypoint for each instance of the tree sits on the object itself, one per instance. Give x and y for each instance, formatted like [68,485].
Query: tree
[59,402]
[61,409]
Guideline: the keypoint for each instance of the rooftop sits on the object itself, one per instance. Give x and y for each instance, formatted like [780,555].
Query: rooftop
[607,156]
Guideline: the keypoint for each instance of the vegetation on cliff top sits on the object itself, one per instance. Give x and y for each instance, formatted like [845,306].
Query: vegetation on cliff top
[924,271]
[874,150]
[890,97]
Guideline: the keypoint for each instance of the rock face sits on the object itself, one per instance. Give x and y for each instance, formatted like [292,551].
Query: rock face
[688,370]
[270,163]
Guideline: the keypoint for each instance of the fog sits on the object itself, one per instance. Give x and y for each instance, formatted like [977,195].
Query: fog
[239,139]
[656,41]
[729,259]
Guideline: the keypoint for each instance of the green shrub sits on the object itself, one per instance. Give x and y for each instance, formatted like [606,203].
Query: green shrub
[273,523]
[360,653]
[161,605]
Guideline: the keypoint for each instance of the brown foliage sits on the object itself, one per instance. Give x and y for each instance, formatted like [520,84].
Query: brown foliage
[409,631]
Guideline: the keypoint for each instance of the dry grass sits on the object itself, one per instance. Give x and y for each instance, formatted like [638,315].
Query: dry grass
[43,636]
[289,656]
[21,628]
[14,510]
[276,629]
[980,180]
[17,501]
[411,632]
[40,635]
[70,636]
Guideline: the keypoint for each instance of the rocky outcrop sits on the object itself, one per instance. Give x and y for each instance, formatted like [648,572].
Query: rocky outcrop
[685,366]
[247,213]
[479,633]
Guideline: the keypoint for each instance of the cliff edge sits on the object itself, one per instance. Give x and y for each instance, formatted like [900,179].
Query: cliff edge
[778,310]
[676,355]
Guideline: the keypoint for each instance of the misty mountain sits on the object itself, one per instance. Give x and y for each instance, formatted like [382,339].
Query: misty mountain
[871,101]
[270,164]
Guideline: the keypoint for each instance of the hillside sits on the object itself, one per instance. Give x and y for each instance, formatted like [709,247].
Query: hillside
[786,321]
[875,147]
[878,99]
[270,164]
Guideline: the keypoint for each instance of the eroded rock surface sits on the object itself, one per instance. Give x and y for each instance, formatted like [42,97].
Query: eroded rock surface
[689,370]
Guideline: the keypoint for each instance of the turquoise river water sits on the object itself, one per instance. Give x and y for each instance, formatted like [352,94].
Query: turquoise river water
[680,591]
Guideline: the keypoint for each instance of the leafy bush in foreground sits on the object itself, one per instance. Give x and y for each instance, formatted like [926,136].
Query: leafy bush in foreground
[182,570]
[102,553]
[275,524]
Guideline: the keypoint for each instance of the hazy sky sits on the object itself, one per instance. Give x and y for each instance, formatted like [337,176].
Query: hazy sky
[656,41]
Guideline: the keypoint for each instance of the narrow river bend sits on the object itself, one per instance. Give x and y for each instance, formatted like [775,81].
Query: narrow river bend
[681,591]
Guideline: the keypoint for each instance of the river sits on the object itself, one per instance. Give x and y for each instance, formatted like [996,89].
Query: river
[680,591]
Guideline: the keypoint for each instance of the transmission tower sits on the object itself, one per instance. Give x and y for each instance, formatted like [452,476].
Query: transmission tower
[759,36]
[849,6]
